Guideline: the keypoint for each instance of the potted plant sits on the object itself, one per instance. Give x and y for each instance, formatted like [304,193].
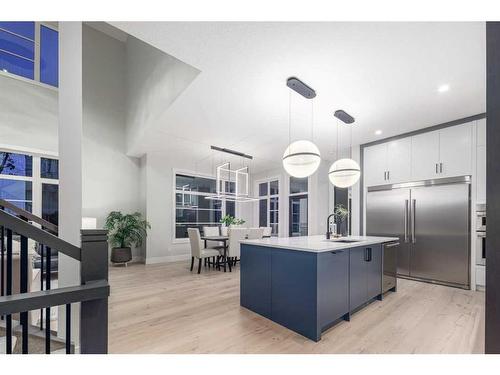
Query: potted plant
[125,231]
[341,213]
[229,220]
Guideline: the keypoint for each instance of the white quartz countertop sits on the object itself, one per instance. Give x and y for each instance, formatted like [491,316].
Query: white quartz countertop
[318,244]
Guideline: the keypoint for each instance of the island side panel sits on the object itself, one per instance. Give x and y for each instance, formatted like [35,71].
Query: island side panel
[294,291]
[333,287]
[255,279]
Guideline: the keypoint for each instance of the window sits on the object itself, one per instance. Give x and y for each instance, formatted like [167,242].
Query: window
[30,50]
[192,210]
[49,168]
[298,185]
[16,164]
[298,202]
[17,192]
[269,205]
[50,203]
[36,193]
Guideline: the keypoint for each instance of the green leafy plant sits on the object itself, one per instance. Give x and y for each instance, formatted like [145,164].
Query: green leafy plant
[125,230]
[340,212]
[231,220]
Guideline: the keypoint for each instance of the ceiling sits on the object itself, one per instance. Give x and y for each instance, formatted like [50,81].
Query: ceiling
[386,75]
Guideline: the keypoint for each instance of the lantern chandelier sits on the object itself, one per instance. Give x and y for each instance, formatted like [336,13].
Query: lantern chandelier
[232,184]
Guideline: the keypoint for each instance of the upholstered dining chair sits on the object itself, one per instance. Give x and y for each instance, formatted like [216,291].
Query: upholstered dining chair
[197,250]
[255,233]
[235,236]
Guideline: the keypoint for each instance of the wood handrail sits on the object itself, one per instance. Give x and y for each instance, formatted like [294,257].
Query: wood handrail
[28,230]
[55,297]
[29,216]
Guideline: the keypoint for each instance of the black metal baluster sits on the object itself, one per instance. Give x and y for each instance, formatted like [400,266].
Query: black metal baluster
[41,249]
[24,289]
[8,349]
[47,310]
[68,328]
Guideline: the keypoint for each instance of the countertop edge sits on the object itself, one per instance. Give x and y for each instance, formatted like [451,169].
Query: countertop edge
[337,246]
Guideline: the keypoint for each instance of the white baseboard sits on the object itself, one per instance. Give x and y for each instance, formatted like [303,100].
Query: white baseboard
[168,259]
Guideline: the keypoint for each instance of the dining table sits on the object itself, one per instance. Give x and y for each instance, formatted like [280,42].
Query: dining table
[224,240]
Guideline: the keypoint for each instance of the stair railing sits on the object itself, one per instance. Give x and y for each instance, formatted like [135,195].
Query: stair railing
[92,293]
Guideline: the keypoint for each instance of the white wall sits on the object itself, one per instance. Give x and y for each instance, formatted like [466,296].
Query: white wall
[28,115]
[154,81]
[111,179]
[159,171]
[70,176]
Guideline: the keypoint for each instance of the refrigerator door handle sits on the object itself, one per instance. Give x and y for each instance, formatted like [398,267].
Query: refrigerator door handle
[413,208]
[406,216]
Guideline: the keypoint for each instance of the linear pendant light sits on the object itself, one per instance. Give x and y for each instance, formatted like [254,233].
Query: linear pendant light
[301,158]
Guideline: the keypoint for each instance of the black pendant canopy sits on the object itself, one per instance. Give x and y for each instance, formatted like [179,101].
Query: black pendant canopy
[344,116]
[300,87]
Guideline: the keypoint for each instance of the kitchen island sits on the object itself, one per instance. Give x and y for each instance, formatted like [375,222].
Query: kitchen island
[308,284]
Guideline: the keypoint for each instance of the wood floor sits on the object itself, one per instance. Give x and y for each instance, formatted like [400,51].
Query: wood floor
[167,309]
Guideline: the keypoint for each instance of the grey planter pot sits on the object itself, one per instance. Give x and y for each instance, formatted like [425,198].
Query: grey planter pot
[121,254]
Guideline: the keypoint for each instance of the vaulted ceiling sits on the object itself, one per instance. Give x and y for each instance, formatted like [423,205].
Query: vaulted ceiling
[386,75]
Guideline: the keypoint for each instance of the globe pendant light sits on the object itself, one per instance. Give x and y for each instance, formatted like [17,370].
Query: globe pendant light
[344,173]
[301,158]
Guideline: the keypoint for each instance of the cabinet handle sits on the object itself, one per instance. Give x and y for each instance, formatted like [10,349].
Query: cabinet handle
[388,175]
[440,167]
[337,252]
[385,176]
[436,168]
[368,254]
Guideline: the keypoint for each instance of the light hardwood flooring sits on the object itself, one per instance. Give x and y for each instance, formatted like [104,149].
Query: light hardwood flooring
[167,309]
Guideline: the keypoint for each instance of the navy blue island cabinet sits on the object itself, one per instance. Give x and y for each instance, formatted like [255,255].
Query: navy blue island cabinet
[308,292]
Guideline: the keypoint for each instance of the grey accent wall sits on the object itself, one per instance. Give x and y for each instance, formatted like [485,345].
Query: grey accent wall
[492,334]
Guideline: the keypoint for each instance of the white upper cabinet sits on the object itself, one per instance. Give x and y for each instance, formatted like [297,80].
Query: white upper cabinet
[455,151]
[375,165]
[398,160]
[425,156]
[436,154]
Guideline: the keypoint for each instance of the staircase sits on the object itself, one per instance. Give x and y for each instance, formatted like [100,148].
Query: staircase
[92,294]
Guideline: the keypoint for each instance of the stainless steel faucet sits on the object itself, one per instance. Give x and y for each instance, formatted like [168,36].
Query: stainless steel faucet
[328,229]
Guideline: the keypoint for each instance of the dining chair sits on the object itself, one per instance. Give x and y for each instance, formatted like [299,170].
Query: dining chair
[255,233]
[235,236]
[268,231]
[197,250]
[213,231]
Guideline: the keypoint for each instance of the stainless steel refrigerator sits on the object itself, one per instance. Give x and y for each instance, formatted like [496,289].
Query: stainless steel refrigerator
[432,220]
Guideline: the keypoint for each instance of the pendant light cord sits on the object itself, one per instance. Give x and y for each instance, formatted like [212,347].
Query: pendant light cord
[312,120]
[289,119]
[350,152]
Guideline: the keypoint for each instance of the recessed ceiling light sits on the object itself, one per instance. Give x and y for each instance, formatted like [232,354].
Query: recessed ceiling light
[378,132]
[443,88]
